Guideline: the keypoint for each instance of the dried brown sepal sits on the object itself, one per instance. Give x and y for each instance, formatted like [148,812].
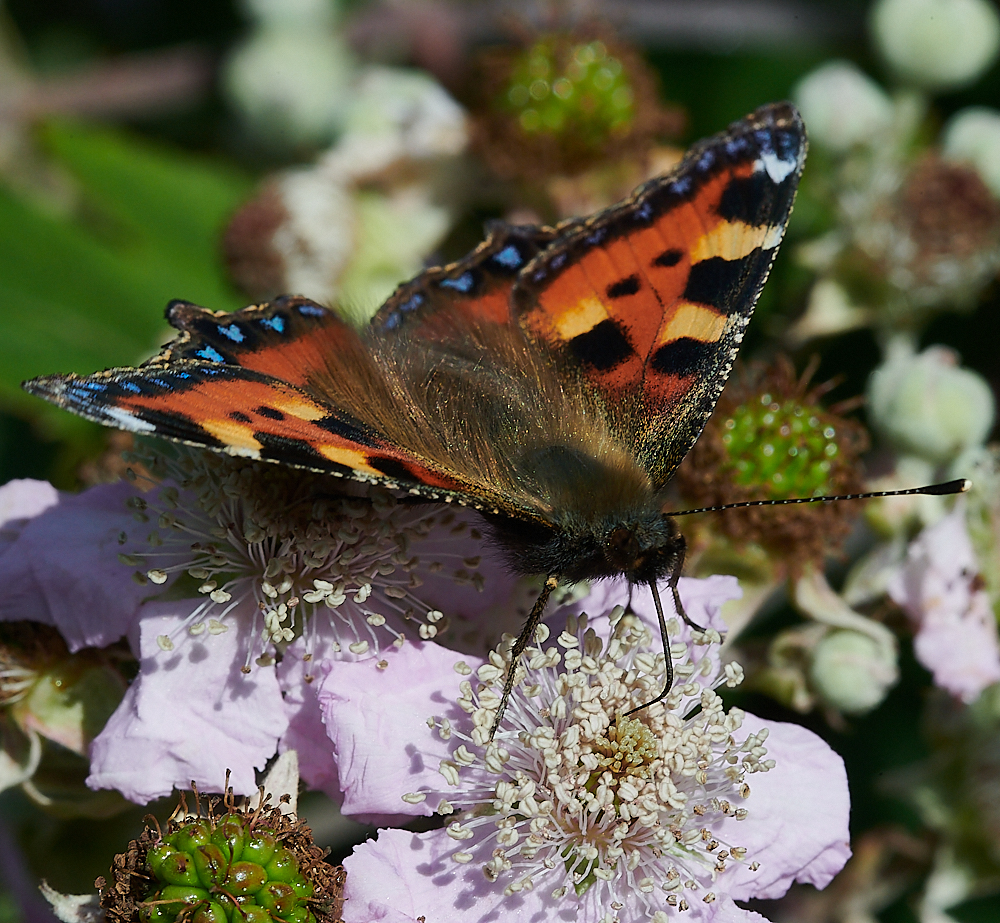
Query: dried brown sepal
[254,263]
[512,153]
[795,534]
[131,881]
[948,211]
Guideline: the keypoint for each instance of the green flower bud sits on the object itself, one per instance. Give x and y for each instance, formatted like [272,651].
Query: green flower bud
[927,405]
[851,671]
[937,44]
[842,106]
[972,135]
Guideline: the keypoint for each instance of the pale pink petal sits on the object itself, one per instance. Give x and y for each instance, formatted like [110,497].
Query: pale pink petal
[306,732]
[190,715]
[956,630]
[377,720]
[63,569]
[414,876]
[20,501]
[702,598]
[797,828]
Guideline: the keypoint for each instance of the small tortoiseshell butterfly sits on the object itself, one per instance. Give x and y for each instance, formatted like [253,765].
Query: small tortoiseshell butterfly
[553,379]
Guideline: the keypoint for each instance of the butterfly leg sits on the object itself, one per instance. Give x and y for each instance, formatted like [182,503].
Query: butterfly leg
[523,640]
[668,666]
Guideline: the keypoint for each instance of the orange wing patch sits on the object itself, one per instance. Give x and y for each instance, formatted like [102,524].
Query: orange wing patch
[242,413]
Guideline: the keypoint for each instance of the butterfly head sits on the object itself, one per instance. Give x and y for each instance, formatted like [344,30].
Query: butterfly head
[642,546]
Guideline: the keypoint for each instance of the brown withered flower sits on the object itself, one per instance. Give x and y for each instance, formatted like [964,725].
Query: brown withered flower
[771,439]
[561,103]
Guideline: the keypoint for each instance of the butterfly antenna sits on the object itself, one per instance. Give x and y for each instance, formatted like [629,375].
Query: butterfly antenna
[523,640]
[958,486]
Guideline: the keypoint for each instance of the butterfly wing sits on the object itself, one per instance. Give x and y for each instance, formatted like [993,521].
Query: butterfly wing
[444,302]
[648,301]
[641,306]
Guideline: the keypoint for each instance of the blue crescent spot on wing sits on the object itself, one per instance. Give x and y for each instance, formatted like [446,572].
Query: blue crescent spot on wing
[210,353]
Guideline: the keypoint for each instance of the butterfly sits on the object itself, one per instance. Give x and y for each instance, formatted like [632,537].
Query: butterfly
[553,379]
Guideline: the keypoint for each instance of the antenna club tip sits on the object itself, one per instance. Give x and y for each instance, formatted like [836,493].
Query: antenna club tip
[958,486]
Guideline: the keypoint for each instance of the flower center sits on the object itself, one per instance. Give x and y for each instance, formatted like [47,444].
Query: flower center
[627,751]
[283,547]
[585,797]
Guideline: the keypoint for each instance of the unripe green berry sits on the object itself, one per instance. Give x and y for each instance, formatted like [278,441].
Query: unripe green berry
[278,897]
[211,913]
[245,878]
[283,866]
[297,915]
[158,855]
[230,834]
[783,448]
[581,89]
[212,865]
[179,869]
[252,913]
[191,836]
[261,847]
[177,897]
[302,887]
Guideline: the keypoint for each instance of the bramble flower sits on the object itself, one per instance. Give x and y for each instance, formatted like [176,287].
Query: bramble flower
[576,810]
[237,563]
[939,587]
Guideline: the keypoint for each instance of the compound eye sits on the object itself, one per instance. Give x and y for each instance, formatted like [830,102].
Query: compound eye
[623,547]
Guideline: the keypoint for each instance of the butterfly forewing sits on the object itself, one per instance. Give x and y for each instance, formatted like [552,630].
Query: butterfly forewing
[649,300]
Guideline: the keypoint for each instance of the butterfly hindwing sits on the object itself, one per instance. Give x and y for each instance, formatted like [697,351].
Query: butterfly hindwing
[246,414]
[287,338]
[649,299]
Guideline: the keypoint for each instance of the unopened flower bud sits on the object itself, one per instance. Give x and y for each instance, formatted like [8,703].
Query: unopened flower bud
[851,671]
[937,44]
[928,405]
[973,135]
[842,106]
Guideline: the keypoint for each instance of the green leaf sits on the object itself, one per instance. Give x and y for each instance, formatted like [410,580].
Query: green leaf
[84,292]
[977,910]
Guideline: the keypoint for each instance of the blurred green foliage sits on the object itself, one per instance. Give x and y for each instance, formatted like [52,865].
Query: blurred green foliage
[86,290]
